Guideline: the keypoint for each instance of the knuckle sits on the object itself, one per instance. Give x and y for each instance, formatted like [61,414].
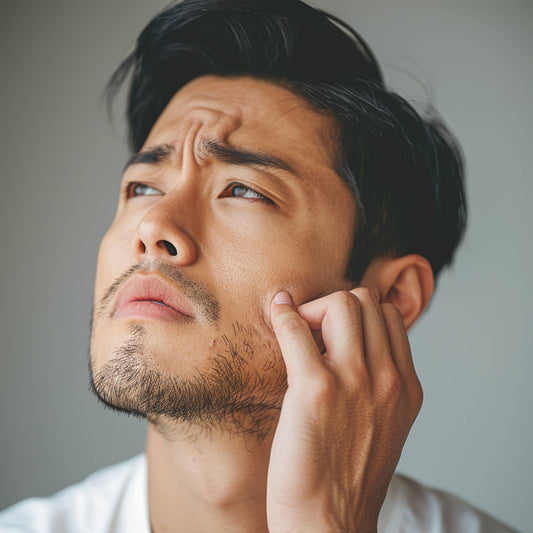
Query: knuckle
[395,386]
[345,299]
[391,309]
[390,384]
[416,396]
[343,296]
[365,293]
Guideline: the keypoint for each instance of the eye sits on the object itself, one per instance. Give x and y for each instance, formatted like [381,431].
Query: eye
[238,190]
[140,189]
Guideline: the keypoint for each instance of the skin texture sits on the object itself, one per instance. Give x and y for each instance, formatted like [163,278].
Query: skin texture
[214,382]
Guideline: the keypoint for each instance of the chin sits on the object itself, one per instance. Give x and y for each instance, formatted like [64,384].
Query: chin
[236,381]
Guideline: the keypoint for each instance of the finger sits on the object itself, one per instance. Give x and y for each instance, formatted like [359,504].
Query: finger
[376,339]
[403,359]
[398,340]
[339,317]
[300,352]
[313,312]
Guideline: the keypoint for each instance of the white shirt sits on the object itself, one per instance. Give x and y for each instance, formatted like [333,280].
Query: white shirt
[115,500]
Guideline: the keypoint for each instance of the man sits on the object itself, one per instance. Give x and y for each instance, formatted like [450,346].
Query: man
[280,226]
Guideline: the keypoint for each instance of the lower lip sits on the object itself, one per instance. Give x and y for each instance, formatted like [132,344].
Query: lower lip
[148,309]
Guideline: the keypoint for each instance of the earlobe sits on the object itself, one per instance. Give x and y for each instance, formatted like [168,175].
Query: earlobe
[407,282]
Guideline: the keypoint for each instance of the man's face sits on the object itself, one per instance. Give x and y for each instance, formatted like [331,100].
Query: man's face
[232,198]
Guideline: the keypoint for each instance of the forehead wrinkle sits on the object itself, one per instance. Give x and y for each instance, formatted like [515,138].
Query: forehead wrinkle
[202,118]
[217,117]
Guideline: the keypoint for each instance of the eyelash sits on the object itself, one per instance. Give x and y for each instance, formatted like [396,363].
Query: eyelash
[129,191]
[131,186]
[260,197]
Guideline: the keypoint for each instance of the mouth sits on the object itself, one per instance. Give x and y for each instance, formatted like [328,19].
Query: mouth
[149,296]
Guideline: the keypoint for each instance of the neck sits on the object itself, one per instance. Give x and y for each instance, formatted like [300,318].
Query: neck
[202,482]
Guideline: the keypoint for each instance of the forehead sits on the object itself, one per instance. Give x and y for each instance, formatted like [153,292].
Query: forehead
[249,113]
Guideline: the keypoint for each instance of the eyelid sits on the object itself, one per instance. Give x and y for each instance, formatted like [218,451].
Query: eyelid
[128,189]
[261,197]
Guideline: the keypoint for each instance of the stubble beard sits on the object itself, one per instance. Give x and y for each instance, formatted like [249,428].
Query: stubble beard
[234,395]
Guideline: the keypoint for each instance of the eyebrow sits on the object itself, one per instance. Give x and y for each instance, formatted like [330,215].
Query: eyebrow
[221,152]
[151,156]
[240,156]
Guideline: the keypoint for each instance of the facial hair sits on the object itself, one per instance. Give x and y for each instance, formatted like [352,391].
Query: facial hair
[231,395]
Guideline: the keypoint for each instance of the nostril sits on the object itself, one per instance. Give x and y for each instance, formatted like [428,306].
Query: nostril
[171,249]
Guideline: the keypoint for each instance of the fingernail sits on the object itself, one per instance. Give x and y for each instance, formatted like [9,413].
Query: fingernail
[283,297]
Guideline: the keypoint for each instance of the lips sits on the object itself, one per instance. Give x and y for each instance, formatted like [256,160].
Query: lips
[149,296]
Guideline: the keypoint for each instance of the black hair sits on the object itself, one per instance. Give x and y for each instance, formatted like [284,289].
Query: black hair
[406,172]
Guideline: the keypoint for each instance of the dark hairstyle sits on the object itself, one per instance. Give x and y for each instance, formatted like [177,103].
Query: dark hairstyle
[406,173]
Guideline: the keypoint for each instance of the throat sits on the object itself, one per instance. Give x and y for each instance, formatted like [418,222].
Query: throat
[200,483]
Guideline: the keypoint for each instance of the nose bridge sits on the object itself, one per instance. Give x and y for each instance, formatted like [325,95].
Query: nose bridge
[170,228]
[167,229]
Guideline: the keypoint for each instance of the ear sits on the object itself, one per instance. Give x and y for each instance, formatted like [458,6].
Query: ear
[407,282]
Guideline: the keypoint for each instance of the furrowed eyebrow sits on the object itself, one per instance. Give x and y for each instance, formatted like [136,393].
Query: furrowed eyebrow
[240,156]
[211,148]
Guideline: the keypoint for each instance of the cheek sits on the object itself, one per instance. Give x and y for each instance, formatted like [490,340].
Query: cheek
[113,258]
[249,272]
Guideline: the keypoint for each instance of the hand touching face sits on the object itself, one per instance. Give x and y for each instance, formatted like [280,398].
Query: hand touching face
[346,413]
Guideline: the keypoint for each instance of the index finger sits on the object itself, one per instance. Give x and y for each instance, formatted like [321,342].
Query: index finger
[298,347]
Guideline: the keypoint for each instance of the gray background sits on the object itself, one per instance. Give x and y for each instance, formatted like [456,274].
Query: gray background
[60,167]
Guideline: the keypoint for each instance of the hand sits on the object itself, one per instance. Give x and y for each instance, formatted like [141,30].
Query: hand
[346,413]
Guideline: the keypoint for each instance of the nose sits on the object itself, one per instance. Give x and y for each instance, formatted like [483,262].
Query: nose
[161,236]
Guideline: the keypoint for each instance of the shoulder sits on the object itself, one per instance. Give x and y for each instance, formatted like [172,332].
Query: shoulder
[107,500]
[412,507]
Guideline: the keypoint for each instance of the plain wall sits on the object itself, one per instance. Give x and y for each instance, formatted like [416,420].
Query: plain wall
[61,162]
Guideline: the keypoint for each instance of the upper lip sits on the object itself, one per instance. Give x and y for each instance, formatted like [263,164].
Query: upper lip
[152,287]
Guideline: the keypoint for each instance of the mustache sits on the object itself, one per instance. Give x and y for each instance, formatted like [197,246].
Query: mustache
[205,305]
